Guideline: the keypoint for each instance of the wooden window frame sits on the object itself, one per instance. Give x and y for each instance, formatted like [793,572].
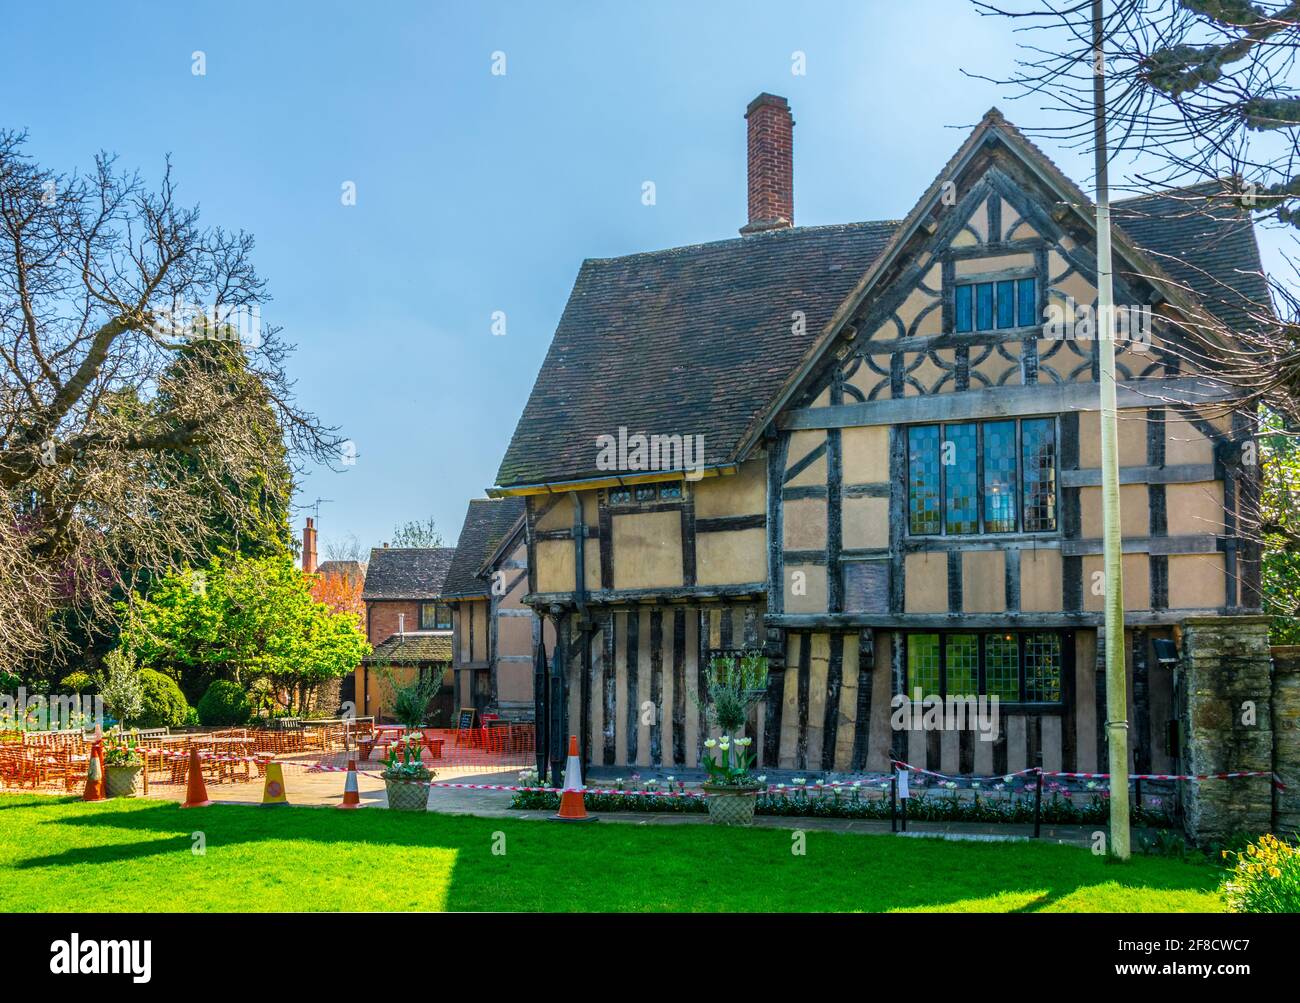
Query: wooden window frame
[1065,638]
[1019,489]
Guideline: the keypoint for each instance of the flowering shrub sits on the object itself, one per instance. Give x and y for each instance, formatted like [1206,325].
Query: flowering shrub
[1265,877]
[403,763]
[721,769]
[122,750]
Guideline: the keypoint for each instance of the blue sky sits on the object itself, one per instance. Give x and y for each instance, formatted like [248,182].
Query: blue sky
[479,193]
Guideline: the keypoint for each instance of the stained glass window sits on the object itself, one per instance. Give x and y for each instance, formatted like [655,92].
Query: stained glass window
[1026,303]
[990,477]
[1000,477]
[646,492]
[1002,666]
[620,496]
[962,306]
[1043,668]
[922,664]
[962,653]
[1038,450]
[923,479]
[960,457]
[670,492]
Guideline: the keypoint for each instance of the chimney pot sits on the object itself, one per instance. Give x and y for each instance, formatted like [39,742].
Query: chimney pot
[770,147]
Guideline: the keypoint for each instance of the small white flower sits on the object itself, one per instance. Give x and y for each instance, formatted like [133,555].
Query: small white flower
[975,785]
[762,779]
[798,781]
[744,742]
[724,745]
[710,743]
[671,779]
[1008,779]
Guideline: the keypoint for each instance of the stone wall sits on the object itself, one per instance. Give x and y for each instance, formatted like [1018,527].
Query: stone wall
[1286,739]
[1228,725]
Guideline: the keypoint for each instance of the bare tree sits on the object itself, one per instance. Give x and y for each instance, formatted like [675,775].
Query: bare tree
[345,548]
[417,534]
[106,421]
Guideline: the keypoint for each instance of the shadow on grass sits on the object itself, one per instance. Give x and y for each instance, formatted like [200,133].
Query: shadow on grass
[626,867]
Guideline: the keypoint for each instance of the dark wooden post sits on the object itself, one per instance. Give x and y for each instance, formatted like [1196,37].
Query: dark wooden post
[893,803]
[1038,803]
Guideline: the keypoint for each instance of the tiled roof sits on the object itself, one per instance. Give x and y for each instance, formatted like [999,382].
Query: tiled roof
[422,646]
[693,340]
[352,570]
[407,572]
[701,339]
[1208,246]
[487,522]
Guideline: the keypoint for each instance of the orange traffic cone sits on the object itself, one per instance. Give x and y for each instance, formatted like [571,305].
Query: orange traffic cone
[351,793]
[95,774]
[572,808]
[196,791]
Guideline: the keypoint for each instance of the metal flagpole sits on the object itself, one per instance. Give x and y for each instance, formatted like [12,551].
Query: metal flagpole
[1116,681]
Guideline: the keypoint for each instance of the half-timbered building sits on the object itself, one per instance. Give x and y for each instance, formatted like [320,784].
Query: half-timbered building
[896,490]
[493,633]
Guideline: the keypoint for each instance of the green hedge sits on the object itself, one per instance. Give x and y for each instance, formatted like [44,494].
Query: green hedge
[224,705]
[164,705]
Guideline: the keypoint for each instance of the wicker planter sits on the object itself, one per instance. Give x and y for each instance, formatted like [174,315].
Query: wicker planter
[122,781]
[730,805]
[406,796]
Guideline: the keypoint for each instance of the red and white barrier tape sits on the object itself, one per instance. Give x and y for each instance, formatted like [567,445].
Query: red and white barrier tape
[1277,781]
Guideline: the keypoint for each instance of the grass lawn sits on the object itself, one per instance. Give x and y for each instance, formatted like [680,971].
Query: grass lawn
[136,855]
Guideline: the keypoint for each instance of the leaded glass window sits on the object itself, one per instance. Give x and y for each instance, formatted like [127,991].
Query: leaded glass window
[962,653]
[982,477]
[1000,477]
[923,483]
[961,497]
[1042,668]
[1002,666]
[1038,463]
[1014,667]
[922,664]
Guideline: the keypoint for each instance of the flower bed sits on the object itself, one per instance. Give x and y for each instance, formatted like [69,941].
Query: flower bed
[870,800]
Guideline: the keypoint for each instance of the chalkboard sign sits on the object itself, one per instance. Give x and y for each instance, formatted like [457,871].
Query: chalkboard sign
[465,719]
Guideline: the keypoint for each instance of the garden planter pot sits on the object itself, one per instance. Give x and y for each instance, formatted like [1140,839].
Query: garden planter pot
[406,796]
[122,781]
[730,805]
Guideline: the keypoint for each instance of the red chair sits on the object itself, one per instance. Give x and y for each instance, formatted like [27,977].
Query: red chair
[491,736]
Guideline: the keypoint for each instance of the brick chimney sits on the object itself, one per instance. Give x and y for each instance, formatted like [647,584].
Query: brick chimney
[771,164]
[309,547]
